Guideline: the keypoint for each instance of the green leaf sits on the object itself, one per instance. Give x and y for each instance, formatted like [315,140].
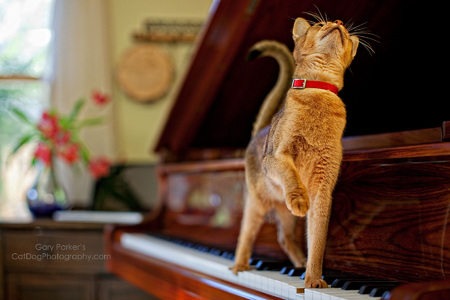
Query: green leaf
[90,122]
[21,115]
[85,155]
[76,109]
[34,161]
[25,139]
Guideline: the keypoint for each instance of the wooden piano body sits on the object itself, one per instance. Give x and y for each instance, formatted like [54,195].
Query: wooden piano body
[392,201]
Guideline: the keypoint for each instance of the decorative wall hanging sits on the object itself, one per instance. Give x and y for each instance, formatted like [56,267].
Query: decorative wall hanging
[145,73]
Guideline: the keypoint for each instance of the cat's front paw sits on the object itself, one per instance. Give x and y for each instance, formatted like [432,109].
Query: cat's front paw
[239,268]
[316,284]
[298,203]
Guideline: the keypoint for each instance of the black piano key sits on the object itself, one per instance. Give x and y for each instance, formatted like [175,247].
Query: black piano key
[273,265]
[353,285]
[286,269]
[340,281]
[255,259]
[357,284]
[329,275]
[228,255]
[329,279]
[382,291]
[365,289]
[266,265]
[386,295]
[296,271]
[377,292]
[188,244]
[215,251]
[368,287]
[201,248]
[302,277]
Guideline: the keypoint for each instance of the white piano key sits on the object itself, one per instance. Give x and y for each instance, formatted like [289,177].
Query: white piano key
[293,285]
[299,297]
[335,294]
[250,279]
[273,280]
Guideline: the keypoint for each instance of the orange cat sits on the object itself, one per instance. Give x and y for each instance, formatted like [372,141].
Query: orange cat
[292,167]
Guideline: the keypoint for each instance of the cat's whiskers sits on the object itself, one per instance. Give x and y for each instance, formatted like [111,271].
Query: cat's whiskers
[317,18]
[321,18]
[364,37]
[351,26]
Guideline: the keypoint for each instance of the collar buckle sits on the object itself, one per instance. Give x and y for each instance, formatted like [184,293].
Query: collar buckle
[302,83]
[298,83]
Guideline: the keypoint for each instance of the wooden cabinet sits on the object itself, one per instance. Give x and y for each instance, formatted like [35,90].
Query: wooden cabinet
[54,260]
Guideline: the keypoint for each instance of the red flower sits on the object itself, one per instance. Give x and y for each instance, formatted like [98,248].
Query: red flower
[62,137]
[48,125]
[99,167]
[100,98]
[44,154]
[70,153]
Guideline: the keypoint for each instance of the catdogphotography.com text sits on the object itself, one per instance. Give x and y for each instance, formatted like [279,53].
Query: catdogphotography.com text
[61,252]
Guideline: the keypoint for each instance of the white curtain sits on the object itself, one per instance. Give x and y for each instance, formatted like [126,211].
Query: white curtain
[81,64]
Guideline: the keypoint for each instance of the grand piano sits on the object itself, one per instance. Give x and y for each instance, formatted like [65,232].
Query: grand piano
[391,205]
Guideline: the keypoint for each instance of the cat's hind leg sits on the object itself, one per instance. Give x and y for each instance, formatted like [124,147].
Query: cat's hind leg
[252,220]
[286,235]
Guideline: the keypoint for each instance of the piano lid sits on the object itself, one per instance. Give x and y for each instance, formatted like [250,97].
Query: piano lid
[384,92]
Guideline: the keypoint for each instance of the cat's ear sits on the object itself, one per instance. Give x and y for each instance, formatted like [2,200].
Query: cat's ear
[300,28]
[355,43]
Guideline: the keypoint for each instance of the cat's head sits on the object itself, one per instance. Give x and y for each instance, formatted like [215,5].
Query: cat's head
[330,40]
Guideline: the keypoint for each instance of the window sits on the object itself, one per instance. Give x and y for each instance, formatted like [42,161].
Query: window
[25,35]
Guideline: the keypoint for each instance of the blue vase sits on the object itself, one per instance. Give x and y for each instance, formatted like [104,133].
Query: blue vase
[46,195]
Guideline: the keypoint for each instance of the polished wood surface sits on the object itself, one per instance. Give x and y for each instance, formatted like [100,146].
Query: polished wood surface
[390,214]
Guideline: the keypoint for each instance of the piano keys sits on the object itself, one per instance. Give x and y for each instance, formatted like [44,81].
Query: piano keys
[267,281]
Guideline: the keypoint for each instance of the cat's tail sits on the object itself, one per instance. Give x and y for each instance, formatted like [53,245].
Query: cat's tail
[273,101]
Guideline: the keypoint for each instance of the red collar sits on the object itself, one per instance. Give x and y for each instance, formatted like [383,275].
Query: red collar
[303,83]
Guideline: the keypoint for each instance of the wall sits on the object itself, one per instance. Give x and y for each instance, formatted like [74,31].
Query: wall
[138,125]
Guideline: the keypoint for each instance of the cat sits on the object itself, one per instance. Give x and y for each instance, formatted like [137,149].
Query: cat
[291,166]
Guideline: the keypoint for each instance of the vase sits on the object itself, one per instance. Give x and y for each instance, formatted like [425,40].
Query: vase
[46,195]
